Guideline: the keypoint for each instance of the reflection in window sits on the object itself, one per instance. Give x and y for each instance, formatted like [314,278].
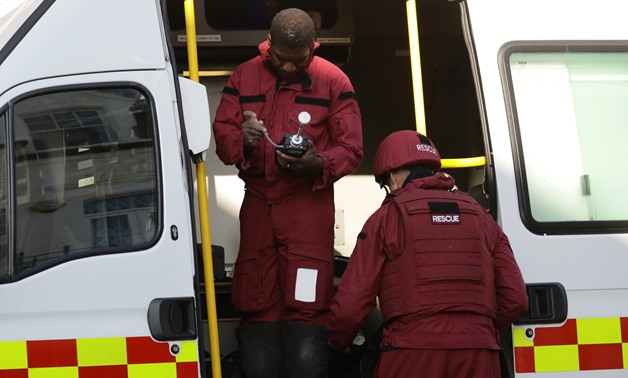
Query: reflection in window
[572,117]
[85,174]
[4,256]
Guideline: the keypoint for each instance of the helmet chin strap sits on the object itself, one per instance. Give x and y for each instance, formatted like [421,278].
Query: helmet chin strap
[385,183]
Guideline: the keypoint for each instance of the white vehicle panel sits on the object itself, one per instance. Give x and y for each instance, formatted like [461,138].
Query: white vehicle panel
[74,299]
[494,24]
[590,265]
[97,36]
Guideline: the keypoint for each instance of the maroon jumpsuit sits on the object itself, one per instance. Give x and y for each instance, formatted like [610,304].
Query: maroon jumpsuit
[287,219]
[445,321]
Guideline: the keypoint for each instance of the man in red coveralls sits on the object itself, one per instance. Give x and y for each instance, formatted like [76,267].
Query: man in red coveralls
[443,270]
[283,277]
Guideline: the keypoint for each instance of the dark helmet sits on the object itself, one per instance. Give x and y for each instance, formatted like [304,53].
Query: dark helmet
[403,148]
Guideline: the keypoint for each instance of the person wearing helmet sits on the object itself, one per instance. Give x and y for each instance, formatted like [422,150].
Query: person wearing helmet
[443,270]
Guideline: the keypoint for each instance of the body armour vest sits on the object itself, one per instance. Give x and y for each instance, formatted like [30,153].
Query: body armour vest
[446,265]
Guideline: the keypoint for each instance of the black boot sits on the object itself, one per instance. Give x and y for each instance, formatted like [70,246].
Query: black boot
[260,349]
[306,351]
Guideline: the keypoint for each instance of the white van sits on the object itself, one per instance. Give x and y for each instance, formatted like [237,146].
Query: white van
[99,272]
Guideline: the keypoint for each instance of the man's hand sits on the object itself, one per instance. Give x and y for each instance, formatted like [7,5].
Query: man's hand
[310,163]
[253,130]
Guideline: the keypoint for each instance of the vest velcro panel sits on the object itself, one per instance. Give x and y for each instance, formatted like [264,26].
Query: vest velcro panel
[445,265]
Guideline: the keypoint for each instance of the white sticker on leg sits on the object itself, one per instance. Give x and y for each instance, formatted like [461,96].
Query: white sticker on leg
[305,289]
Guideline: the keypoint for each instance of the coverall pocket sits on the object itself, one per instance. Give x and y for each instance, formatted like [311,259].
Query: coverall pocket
[310,277]
[316,127]
[247,291]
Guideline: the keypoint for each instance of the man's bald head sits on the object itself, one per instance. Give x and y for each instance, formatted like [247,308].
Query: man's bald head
[292,28]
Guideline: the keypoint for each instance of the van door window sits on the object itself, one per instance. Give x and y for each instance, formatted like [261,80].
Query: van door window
[85,175]
[571,118]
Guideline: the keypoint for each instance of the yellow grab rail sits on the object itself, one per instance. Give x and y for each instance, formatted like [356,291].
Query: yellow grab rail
[415,64]
[417,88]
[477,161]
[209,73]
[201,178]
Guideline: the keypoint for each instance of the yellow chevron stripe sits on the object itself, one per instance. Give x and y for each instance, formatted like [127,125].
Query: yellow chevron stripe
[58,372]
[162,370]
[95,352]
[599,331]
[556,358]
[101,352]
[189,353]
[13,355]
[519,338]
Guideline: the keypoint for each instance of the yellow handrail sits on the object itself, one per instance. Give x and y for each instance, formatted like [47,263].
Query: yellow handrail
[201,178]
[417,88]
[477,161]
[209,73]
[415,64]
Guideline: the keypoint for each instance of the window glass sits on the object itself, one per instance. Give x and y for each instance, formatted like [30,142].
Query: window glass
[85,174]
[4,257]
[572,115]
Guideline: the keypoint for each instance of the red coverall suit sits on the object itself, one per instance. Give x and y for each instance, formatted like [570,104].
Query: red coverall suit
[287,219]
[447,281]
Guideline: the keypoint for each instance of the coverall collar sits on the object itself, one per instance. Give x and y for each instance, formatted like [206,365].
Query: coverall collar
[305,81]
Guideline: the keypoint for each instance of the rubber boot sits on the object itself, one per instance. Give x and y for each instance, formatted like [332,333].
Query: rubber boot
[306,351]
[260,349]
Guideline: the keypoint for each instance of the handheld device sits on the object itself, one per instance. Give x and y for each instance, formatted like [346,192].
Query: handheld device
[292,144]
[296,145]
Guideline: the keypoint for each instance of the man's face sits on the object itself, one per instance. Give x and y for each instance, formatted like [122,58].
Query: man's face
[289,63]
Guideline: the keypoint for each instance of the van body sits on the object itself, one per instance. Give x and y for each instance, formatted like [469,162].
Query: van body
[97,262]
[99,272]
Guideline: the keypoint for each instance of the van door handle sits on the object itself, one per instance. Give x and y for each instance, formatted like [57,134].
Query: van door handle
[547,304]
[171,319]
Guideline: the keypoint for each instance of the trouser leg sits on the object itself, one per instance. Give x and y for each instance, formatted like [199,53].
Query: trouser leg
[306,351]
[260,349]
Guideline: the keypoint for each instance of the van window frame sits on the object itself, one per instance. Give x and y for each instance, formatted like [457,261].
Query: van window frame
[563,227]
[157,185]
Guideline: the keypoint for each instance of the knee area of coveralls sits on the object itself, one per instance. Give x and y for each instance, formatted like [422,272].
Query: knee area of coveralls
[306,351]
[260,349]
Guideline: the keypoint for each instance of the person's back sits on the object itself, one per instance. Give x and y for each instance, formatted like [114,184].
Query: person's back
[443,270]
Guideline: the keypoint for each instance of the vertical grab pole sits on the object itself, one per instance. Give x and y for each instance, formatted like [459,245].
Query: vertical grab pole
[210,290]
[190,31]
[201,179]
[415,63]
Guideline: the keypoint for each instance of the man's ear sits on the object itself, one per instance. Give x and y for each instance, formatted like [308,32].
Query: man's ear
[396,180]
[268,39]
[389,180]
